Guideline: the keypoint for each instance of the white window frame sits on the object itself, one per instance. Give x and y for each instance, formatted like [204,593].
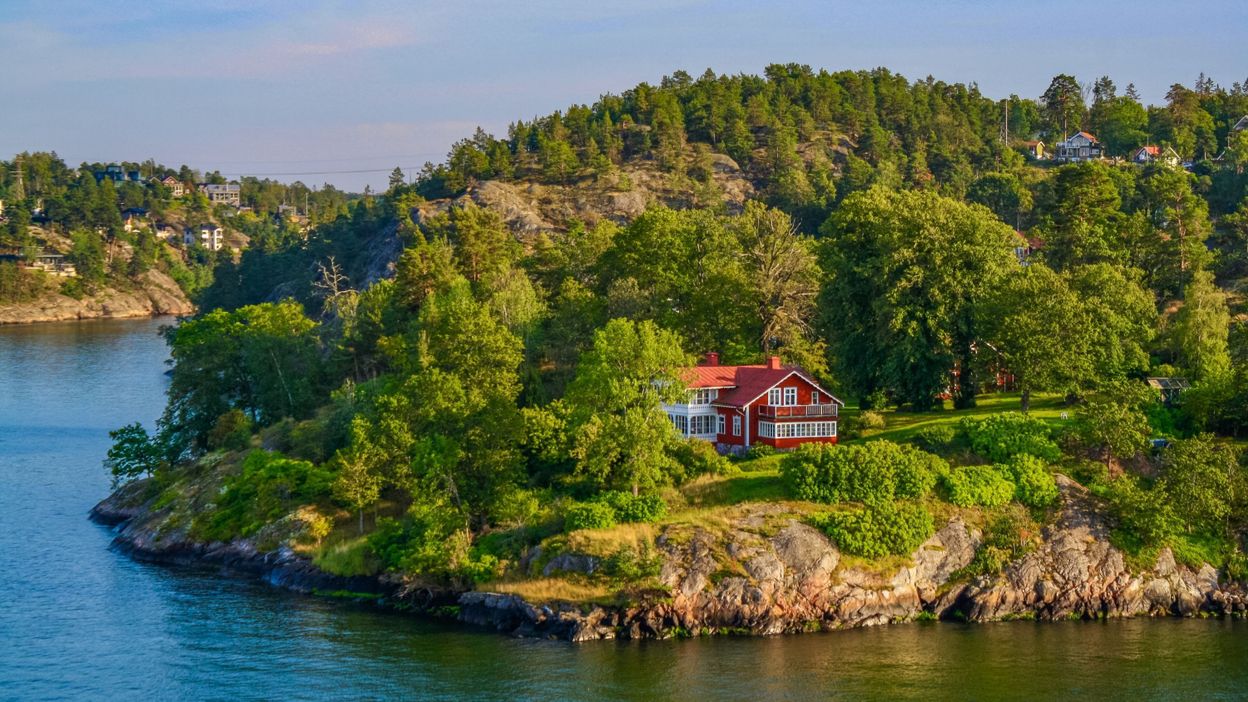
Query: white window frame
[774,397]
[790,397]
[766,430]
[719,424]
[736,425]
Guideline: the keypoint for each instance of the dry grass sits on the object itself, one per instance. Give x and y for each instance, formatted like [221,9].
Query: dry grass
[554,589]
[604,542]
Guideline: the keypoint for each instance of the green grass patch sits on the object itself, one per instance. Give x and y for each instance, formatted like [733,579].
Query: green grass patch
[904,425]
[349,557]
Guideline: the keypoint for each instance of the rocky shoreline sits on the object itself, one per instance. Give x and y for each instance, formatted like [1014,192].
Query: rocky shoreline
[754,579]
[158,296]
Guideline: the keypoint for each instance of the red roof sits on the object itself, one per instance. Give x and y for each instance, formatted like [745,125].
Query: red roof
[1152,150]
[745,383]
[1086,135]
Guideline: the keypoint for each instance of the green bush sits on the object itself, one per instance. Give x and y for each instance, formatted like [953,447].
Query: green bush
[699,457]
[869,420]
[588,515]
[875,471]
[760,451]
[879,529]
[1033,483]
[431,541]
[1143,513]
[977,485]
[627,508]
[627,565]
[231,432]
[1006,539]
[936,438]
[1000,437]
[268,487]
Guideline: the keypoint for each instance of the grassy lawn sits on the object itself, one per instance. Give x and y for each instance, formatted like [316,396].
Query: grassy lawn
[902,426]
[759,479]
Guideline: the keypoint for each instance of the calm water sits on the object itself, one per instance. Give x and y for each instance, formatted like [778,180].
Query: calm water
[78,621]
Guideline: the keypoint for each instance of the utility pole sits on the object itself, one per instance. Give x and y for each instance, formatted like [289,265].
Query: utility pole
[20,193]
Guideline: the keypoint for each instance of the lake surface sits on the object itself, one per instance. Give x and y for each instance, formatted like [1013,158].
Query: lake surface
[80,621]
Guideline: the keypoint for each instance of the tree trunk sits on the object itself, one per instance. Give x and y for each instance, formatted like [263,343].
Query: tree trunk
[361,521]
[636,489]
[1026,400]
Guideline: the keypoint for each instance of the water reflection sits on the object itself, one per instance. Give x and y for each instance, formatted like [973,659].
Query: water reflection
[78,621]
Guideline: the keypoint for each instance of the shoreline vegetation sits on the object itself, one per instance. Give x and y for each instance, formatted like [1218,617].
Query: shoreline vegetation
[453,392]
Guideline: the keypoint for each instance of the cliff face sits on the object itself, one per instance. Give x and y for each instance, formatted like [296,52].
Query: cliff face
[748,579]
[765,573]
[156,294]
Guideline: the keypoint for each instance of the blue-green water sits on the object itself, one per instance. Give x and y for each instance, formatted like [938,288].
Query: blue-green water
[80,621]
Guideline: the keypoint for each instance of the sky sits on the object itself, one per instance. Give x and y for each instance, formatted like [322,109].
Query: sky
[309,89]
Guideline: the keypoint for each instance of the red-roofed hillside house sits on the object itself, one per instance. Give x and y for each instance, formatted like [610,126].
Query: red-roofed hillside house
[735,407]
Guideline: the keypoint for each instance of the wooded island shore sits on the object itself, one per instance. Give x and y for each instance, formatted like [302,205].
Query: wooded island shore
[807,350]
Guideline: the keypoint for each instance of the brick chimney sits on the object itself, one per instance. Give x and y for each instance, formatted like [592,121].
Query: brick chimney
[773,362]
[712,358]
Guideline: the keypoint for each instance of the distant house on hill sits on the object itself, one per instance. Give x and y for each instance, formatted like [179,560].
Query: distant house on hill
[165,232]
[1155,154]
[133,218]
[735,407]
[209,236]
[176,188]
[1080,146]
[117,174]
[1241,125]
[222,193]
[1034,149]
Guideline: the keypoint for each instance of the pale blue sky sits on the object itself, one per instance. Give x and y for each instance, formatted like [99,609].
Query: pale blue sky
[285,87]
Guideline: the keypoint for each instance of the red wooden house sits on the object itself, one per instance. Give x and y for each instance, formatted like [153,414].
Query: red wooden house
[735,407]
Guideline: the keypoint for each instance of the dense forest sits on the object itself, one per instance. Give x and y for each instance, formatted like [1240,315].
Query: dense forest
[498,389]
[49,207]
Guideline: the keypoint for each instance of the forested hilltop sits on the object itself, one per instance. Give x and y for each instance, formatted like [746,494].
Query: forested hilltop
[460,381]
[131,239]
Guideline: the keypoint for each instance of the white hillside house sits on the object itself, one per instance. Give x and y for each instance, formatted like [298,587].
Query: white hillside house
[1080,146]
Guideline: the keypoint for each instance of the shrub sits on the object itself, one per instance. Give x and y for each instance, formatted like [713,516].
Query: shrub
[627,565]
[1000,437]
[869,420]
[627,508]
[760,451]
[431,541]
[1005,540]
[879,529]
[1144,515]
[699,457]
[269,486]
[875,471]
[1033,483]
[977,485]
[936,438]
[588,515]
[231,432]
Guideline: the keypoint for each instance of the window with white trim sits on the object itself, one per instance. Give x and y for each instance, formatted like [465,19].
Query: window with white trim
[720,424]
[797,430]
[773,397]
[703,396]
[680,421]
[790,396]
[702,424]
[736,425]
[814,397]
